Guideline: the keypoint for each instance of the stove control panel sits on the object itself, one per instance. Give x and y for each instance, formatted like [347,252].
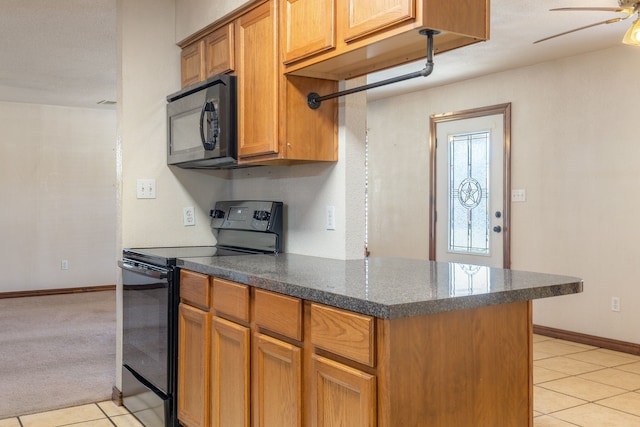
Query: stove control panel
[252,215]
[253,224]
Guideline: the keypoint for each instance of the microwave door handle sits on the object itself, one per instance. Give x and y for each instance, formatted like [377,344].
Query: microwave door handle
[210,108]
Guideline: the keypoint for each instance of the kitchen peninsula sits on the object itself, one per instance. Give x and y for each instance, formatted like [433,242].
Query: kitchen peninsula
[376,342]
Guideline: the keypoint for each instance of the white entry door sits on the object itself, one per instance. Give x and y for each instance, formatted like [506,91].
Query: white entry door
[470,212]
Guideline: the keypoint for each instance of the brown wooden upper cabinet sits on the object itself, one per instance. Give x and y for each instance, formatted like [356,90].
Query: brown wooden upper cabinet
[282,50]
[208,56]
[219,51]
[275,126]
[365,17]
[258,82]
[300,41]
[363,36]
[309,26]
[192,63]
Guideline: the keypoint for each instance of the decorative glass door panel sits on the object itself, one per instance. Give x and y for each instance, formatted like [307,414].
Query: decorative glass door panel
[469,194]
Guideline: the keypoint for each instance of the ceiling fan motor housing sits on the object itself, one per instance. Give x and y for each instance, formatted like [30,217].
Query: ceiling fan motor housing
[628,3]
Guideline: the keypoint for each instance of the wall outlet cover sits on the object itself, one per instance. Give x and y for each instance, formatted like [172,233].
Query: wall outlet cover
[615,303]
[189,216]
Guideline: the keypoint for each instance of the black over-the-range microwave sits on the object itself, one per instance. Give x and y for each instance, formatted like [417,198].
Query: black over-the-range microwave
[202,125]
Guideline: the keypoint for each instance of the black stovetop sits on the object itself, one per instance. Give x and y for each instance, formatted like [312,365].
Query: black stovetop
[166,256]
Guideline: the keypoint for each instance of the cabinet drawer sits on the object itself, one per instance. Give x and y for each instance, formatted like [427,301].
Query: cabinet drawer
[279,313]
[195,288]
[344,333]
[231,299]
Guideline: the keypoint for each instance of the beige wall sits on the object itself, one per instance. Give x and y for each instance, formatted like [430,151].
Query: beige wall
[575,150]
[309,188]
[305,189]
[58,192]
[149,69]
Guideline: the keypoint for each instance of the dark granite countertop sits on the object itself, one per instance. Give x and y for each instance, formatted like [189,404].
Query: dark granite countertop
[385,287]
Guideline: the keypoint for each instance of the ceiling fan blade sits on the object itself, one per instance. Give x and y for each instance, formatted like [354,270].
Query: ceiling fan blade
[597,9]
[608,21]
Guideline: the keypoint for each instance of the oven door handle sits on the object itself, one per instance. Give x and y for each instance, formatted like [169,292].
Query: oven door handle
[147,272]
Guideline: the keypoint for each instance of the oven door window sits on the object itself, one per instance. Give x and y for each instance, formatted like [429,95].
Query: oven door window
[145,326]
[185,131]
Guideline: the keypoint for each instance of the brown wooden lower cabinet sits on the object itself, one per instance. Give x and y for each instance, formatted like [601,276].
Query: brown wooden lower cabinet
[230,374]
[194,347]
[469,367]
[277,383]
[341,395]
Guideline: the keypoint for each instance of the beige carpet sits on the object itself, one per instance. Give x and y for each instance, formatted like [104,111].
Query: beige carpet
[56,351]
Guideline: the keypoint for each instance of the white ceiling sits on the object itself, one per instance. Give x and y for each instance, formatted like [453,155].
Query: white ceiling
[515,25]
[58,52]
[63,52]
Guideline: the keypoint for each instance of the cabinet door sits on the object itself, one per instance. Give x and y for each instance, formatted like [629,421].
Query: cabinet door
[192,63]
[219,51]
[230,374]
[341,395]
[308,27]
[193,366]
[363,17]
[278,383]
[258,81]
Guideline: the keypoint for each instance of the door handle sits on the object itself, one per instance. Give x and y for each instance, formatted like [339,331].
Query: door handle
[497,229]
[209,141]
[158,273]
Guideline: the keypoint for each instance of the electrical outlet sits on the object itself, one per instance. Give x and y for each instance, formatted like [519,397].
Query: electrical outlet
[64,264]
[146,188]
[331,217]
[615,303]
[189,216]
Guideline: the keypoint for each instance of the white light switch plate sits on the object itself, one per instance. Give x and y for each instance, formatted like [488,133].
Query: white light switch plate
[146,188]
[331,217]
[519,195]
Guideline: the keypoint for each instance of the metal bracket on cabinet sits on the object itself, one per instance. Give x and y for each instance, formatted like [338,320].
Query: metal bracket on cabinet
[314,100]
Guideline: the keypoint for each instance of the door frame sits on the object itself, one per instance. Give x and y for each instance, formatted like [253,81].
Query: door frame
[434,119]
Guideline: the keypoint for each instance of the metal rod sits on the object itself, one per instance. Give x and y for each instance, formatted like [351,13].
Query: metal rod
[314,100]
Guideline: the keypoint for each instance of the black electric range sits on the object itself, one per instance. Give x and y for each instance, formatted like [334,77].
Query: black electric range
[150,295]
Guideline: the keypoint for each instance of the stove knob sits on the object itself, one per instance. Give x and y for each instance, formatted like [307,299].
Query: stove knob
[216,213]
[261,215]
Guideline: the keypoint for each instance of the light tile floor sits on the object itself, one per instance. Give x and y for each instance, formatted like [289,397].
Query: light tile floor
[574,385]
[103,414]
[581,385]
